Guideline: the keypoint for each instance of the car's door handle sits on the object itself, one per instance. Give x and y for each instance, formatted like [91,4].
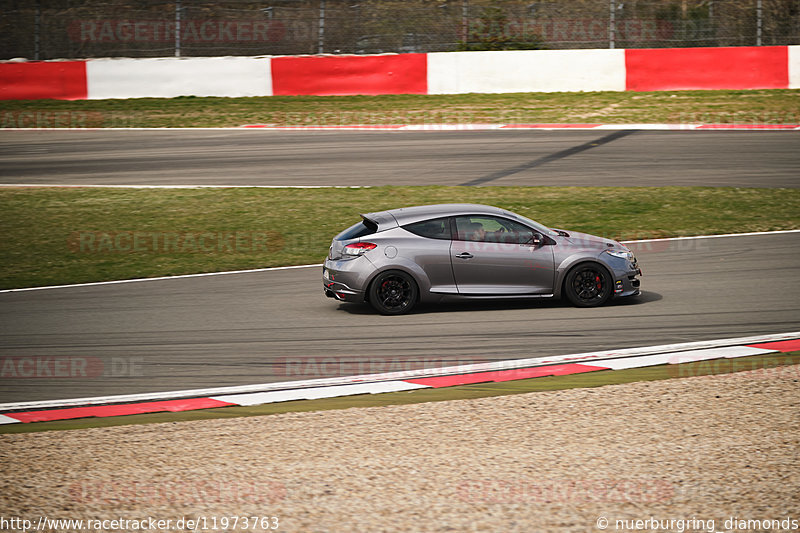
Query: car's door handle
[465,255]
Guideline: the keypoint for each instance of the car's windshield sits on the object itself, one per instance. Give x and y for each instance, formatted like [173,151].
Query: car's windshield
[535,225]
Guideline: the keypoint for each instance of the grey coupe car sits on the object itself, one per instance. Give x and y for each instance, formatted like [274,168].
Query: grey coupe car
[397,258]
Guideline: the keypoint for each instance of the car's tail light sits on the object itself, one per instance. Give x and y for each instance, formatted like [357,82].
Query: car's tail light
[358,248]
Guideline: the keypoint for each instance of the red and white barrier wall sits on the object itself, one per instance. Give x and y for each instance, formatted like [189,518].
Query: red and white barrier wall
[526,71]
[167,78]
[707,68]
[794,67]
[62,80]
[768,67]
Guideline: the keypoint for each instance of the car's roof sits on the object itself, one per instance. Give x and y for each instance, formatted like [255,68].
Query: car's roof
[408,215]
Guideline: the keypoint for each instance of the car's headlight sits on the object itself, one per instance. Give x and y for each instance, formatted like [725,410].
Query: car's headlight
[622,254]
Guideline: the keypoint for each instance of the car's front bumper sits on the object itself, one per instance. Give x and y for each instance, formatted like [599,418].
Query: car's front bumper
[628,283]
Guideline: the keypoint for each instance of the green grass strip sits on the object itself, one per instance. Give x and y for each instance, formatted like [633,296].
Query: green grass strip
[59,236]
[462,392]
[678,107]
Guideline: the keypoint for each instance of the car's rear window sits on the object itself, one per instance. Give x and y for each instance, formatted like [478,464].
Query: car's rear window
[365,227]
[437,228]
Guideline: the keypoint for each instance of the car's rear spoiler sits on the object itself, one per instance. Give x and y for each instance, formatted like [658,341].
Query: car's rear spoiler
[383,220]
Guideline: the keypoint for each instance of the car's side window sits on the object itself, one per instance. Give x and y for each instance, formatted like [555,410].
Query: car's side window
[484,228]
[437,228]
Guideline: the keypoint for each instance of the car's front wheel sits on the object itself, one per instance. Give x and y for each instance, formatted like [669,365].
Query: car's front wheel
[588,285]
[393,293]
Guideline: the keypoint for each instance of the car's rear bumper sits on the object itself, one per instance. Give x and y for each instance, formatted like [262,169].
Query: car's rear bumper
[337,284]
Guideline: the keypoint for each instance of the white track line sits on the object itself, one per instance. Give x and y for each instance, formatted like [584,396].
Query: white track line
[104,130]
[43,186]
[447,127]
[406,374]
[8,420]
[685,356]
[317,265]
[160,278]
[752,233]
[315,393]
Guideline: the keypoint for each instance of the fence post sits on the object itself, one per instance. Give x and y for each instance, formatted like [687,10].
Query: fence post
[177,28]
[321,42]
[612,23]
[37,23]
[758,22]
[464,21]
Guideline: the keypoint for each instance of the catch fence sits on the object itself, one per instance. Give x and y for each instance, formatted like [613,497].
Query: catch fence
[70,29]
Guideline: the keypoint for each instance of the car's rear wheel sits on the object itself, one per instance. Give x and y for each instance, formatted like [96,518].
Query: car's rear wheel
[393,293]
[588,285]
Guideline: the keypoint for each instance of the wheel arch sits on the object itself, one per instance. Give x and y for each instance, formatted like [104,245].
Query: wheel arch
[564,270]
[422,288]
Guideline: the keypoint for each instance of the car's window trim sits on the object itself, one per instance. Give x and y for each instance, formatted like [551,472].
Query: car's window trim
[454,227]
[449,222]
[536,226]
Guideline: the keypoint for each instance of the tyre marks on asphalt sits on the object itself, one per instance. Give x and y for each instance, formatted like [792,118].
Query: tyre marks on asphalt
[549,158]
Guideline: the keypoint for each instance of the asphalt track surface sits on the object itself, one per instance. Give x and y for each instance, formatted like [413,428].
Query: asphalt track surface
[277,326]
[274,326]
[505,157]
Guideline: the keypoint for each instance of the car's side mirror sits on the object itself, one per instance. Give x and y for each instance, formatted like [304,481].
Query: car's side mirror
[535,240]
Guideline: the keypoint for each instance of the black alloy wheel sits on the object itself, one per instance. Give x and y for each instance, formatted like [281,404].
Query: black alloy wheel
[588,285]
[393,293]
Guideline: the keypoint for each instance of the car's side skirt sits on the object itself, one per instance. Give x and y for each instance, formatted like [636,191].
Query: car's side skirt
[502,296]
